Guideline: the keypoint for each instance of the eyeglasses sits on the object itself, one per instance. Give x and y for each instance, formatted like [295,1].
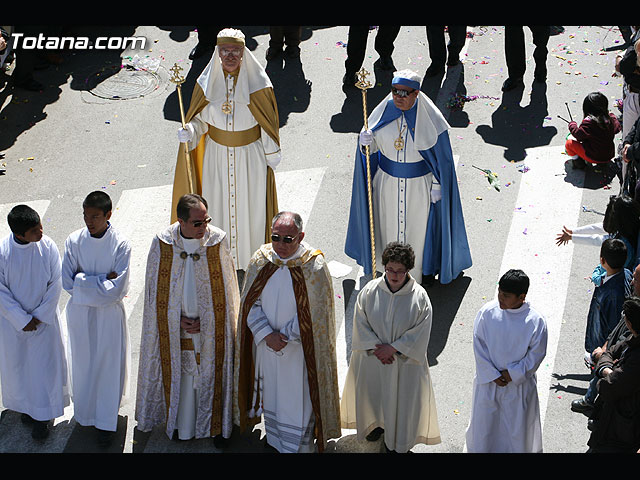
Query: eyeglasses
[401,93]
[286,239]
[394,272]
[199,223]
[235,52]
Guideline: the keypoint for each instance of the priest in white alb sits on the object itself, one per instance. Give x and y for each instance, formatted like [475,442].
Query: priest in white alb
[33,365]
[286,367]
[95,272]
[185,377]
[509,344]
[388,388]
[232,133]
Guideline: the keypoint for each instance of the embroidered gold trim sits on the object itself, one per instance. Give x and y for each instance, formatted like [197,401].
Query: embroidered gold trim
[234,138]
[218,298]
[162,314]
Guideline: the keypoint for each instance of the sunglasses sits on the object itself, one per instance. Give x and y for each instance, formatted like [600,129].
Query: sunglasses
[201,222]
[401,93]
[286,239]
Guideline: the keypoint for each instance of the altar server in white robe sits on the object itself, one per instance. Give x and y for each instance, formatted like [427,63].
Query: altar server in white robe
[95,272]
[185,376]
[232,133]
[509,343]
[388,386]
[33,366]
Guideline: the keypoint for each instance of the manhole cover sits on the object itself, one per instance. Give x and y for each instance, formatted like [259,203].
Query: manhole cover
[123,83]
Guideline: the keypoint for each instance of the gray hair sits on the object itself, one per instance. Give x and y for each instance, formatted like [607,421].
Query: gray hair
[294,217]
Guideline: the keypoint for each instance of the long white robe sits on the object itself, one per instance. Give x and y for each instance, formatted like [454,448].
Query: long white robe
[97,324]
[33,366]
[234,178]
[400,205]
[506,419]
[397,397]
[282,376]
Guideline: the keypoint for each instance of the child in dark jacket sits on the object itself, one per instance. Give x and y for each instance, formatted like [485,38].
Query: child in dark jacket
[593,140]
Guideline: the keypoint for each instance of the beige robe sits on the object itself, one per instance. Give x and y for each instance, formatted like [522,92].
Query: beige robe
[397,397]
[313,291]
[167,352]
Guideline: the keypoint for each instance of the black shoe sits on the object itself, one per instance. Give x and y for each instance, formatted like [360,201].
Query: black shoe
[198,51]
[105,437]
[428,280]
[273,53]
[434,70]
[40,430]
[349,80]
[511,83]
[220,442]
[26,419]
[581,406]
[578,163]
[375,434]
[384,63]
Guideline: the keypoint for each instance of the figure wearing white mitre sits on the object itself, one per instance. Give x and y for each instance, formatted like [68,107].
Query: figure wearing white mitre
[286,367]
[509,344]
[95,272]
[414,191]
[185,378]
[33,365]
[232,132]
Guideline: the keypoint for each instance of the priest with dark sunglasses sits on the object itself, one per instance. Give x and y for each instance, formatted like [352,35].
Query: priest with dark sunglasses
[285,366]
[414,188]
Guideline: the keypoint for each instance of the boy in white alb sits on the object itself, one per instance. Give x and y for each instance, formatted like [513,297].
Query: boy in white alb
[33,367]
[95,271]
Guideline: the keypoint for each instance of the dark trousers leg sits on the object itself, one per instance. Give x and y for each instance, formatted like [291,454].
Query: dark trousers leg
[356,48]
[385,37]
[514,50]
[457,37]
[540,40]
[437,45]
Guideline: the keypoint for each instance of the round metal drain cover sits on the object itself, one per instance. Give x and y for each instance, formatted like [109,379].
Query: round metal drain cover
[122,83]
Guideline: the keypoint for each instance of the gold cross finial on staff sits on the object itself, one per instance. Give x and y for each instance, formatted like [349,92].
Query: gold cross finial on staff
[178,79]
[364,84]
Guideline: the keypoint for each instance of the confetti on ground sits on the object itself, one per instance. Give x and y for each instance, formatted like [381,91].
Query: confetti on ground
[457,101]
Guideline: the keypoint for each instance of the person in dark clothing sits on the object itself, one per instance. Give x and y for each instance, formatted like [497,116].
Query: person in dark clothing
[284,37]
[438,48]
[357,46]
[616,416]
[515,54]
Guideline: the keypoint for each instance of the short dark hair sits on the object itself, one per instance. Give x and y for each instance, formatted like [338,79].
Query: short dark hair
[514,281]
[100,200]
[400,253]
[186,203]
[614,251]
[631,310]
[21,218]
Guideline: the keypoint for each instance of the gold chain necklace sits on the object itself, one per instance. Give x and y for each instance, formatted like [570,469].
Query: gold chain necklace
[399,142]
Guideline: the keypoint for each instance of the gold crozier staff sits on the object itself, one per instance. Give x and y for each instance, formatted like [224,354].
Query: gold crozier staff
[363,84]
[179,80]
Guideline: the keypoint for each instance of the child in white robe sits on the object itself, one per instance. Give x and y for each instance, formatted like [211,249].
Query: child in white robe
[509,343]
[33,366]
[95,271]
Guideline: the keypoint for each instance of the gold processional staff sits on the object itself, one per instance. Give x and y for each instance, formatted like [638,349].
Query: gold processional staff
[363,84]
[179,80]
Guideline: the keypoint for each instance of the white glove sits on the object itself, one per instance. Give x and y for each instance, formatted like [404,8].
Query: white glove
[436,193]
[366,137]
[274,160]
[185,135]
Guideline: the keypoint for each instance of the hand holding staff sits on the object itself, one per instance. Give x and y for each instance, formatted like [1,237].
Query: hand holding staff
[179,80]
[363,84]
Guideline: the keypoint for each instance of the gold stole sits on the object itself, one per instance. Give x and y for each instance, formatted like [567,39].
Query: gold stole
[219,310]
[246,368]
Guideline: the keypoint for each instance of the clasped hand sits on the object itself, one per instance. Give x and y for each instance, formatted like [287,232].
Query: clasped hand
[504,378]
[190,325]
[384,352]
